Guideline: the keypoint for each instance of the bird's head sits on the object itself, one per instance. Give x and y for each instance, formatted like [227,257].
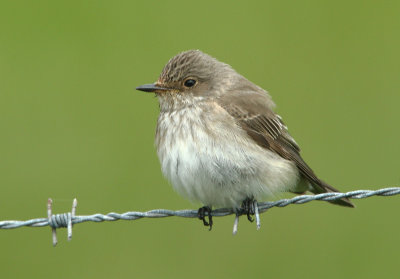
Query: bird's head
[189,74]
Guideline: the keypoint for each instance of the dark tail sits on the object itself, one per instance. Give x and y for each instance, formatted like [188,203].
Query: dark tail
[322,187]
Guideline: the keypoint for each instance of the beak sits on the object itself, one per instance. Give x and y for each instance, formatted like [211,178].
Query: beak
[151,88]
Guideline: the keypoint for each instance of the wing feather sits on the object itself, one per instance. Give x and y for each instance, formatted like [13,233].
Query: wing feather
[253,112]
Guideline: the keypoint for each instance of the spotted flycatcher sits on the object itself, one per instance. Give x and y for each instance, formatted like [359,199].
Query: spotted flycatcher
[220,142]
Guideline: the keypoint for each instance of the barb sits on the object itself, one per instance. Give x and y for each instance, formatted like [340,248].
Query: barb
[66,220]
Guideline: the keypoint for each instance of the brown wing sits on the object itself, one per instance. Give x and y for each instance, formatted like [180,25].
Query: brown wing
[253,113]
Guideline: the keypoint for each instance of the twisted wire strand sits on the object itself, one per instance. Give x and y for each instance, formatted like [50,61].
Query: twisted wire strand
[61,220]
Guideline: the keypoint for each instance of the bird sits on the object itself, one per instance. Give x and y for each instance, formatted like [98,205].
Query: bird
[219,140]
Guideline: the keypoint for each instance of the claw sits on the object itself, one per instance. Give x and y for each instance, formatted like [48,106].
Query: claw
[248,208]
[202,216]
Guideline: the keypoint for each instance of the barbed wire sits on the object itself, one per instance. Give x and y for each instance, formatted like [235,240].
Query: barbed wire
[66,220]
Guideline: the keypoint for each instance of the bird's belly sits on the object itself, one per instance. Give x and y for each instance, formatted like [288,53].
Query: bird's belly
[217,169]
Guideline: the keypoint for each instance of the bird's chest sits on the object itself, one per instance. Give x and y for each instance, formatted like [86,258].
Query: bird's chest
[197,153]
[183,143]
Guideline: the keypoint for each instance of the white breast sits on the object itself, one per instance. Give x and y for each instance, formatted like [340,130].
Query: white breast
[211,160]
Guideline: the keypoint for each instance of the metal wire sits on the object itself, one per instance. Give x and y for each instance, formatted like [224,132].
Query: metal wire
[66,220]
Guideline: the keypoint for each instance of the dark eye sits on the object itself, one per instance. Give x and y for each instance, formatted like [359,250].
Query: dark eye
[189,82]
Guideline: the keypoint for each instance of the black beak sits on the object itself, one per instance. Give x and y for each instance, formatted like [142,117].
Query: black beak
[151,88]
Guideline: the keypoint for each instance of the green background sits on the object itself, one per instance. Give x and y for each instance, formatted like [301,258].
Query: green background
[72,125]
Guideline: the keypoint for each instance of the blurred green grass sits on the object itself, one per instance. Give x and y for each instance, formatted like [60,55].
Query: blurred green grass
[72,125]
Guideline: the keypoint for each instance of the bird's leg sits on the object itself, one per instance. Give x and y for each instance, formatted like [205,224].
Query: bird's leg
[202,216]
[248,208]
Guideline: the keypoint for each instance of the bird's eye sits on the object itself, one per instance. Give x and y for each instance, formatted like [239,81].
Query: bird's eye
[189,82]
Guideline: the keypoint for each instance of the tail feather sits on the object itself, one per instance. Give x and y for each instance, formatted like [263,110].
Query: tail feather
[322,187]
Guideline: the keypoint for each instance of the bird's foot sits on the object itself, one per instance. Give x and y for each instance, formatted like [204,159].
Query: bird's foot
[202,216]
[248,208]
